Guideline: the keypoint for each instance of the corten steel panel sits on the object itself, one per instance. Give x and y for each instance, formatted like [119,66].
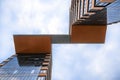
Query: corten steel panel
[107,1]
[88,34]
[32,44]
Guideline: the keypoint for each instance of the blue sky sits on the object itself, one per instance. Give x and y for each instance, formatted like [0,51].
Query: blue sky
[70,61]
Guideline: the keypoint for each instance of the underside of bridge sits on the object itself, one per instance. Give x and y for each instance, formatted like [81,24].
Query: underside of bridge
[87,23]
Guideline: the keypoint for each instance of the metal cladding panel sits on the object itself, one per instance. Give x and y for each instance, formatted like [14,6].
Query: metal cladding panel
[88,34]
[60,39]
[32,44]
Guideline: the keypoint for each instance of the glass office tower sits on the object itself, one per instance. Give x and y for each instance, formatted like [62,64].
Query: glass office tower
[32,60]
[26,67]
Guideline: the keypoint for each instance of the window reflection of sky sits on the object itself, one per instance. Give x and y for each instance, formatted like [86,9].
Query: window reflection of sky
[72,62]
[113,12]
[13,71]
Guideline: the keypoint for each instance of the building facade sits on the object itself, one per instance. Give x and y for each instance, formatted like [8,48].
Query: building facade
[31,62]
[89,19]
[33,57]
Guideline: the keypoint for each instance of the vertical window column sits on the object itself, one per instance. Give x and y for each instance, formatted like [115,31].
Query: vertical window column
[45,71]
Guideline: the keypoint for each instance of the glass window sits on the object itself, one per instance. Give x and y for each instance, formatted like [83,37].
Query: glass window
[41,78]
[99,3]
[13,71]
[113,12]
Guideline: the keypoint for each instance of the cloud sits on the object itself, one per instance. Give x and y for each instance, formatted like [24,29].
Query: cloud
[70,61]
[30,17]
[89,61]
[6,44]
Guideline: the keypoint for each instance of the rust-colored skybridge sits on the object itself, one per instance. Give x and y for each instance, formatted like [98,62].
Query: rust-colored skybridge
[88,21]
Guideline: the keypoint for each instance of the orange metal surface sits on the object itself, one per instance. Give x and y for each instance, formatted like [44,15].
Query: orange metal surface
[46,60]
[107,1]
[45,63]
[1,64]
[32,44]
[88,34]
[44,68]
[42,75]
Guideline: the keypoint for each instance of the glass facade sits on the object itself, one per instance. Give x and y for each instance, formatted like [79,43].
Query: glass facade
[41,78]
[94,11]
[13,71]
[26,67]
[95,5]
[86,11]
[90,5]
[81,10]
[113,12]
[99,3]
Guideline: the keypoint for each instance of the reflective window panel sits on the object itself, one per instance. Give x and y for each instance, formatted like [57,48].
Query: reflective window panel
[113,12]
[13,71]
[99,3]
[41,78]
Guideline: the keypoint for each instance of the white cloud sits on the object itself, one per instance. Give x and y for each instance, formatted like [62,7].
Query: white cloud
[30,15]
[89,61]
[70,61]
[6,45]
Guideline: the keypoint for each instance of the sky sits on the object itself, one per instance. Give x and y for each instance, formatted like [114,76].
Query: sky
[70,61]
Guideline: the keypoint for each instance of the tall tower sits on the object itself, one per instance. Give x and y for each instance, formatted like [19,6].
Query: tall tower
[32,61]
[88,20]
[33,57]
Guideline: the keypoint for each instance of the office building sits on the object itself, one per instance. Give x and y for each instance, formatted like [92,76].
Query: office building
[32,61]
[89,19]
[33,57]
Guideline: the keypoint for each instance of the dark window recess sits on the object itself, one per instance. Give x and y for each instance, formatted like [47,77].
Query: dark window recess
[31,60]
